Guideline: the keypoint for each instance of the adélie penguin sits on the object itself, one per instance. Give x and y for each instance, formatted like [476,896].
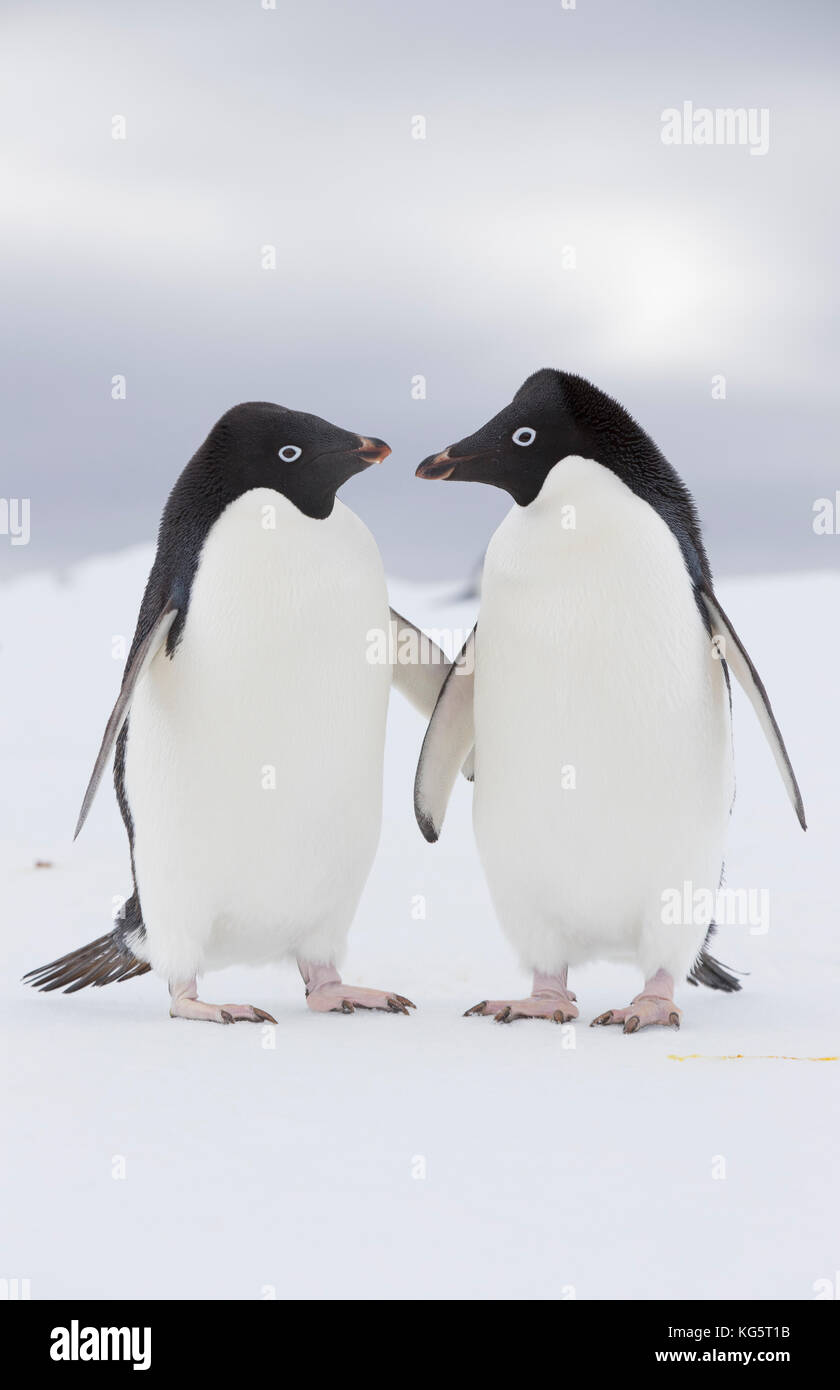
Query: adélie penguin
[595,688]
[250,724]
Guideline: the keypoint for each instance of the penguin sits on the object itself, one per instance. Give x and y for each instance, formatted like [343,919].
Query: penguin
[595,687]
[250,724]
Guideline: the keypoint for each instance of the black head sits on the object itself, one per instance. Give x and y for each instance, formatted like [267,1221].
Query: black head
[301,456]
[517,448]
[552,416]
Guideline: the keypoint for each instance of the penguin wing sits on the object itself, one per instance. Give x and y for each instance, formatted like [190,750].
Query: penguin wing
[447,745]
[143,656]
[419,681]
[738,660]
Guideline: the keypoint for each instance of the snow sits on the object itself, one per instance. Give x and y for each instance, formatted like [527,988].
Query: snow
[433,1156]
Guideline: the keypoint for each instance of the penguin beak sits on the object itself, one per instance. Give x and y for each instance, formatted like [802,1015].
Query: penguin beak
[442,466]
[436,466]
[372,450]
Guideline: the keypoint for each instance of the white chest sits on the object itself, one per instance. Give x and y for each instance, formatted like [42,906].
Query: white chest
[602,724]
[254,759]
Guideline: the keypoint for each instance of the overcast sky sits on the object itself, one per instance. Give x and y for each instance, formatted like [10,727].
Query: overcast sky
[445,257]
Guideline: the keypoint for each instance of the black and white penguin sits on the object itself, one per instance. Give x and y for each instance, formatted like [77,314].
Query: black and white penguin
[250,725]
[595,687]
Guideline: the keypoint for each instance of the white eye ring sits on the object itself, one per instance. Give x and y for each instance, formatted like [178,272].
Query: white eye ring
[289,453]
[524,436]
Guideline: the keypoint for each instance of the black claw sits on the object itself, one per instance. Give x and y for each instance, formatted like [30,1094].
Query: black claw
[476,1009]
[503,1016]
[632,1025]
[602,1020]
[674,1021]
[346,1007]
[226,1017]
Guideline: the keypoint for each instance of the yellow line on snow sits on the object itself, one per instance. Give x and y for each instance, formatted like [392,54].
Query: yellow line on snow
[745,1057]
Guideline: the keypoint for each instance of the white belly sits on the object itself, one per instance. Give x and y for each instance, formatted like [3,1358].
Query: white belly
[603,742]
[254,757]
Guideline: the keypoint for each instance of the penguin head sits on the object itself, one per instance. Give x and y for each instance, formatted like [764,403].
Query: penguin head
[553,415]
[517,449]
[301,456]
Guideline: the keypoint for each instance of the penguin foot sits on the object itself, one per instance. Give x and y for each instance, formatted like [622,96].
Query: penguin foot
[326,993]
[336,997]
[549,998]
[655,1004]
[645,1010]
[186,1004]
[558,1009]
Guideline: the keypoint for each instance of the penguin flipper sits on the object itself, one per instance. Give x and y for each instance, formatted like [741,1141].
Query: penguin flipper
[143,656]
[738,660]
[421,681]
[446,747]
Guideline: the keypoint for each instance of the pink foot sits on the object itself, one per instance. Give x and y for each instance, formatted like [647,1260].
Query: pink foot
[655,1005]
[326,993]
[549,998]
[186,1004]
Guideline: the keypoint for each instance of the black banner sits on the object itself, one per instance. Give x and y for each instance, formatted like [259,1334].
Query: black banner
[154,1338]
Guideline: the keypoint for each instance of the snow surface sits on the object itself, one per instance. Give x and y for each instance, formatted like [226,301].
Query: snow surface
[551,1170]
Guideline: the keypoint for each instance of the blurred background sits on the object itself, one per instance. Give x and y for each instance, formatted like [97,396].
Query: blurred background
[540,222]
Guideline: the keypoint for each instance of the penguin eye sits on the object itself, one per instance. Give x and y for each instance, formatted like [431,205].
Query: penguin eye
[289,453]
[524,436]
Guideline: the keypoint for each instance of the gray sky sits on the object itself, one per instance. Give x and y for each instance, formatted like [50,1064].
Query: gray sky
[397,257]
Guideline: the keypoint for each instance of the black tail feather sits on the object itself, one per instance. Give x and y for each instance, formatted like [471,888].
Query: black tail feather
[100,962]
[710,972]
